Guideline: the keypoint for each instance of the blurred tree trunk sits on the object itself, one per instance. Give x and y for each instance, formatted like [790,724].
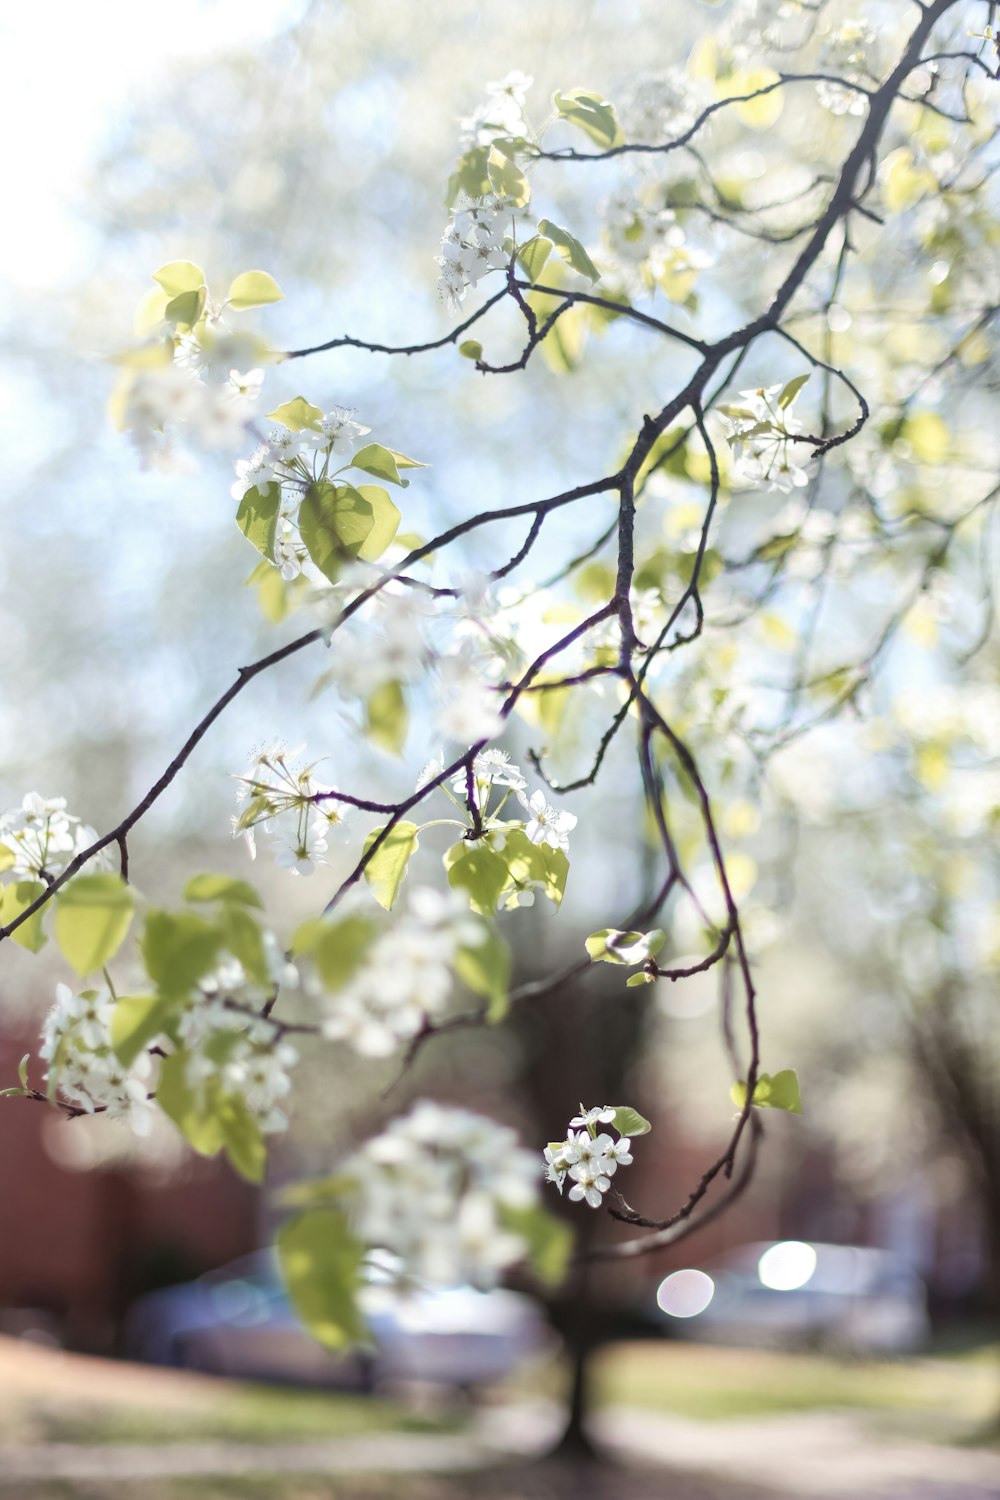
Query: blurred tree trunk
[597,1051]
[966,1091]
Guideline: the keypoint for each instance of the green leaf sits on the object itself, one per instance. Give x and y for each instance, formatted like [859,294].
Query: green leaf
[609,946]
[273,591]
[253,289]
[14,898]
[470,349]
[384,463]
[321,1264]
[549,1241]
[178,950]
[591,114]
[668,454]
[485,968]
[194,1113]
[179,276]
[257,517]
[186,308]
[903,182]
[386,718]
[385,522]
[534,866]
[602,317]
[570,249]
[480,871]
[791,389]
[470,175]
[338,949]
[93,916]
[137,1021]
[506,178]
[245,941]
[533,256]
[634,980]
[386,869]
[778,1092]
[221,888]
[242,1138]
[318,1192]
[334,522]
[564,343]
[629,1121]
[298,414]
[22,1069]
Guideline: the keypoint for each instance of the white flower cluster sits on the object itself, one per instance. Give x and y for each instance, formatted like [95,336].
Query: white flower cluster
[659,109]
[200,397]
[405,980]
[231,1048]
[295,460]
[753,27]
[280,794]
[648,245]
[76,1044]
[391,645]
[849,52]
[472,245]
[501,117]
[432,1189]
[400,638]
[40,838]
[468,706]
[761,433]
[587,1158]
[544,823]
[254,1061]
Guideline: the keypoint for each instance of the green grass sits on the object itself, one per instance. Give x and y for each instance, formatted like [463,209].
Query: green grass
[261,1417]
[949,1395]
[245,1487]
[236,1413]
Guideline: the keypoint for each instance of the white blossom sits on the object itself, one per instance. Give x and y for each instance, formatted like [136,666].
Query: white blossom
[601,1114]
[850,51]
[589,1183]
[490,768]
[473,244]
[338,431]
[468,708]
[280,795]
[41,838]
[432,1188]
[761,433]
[83,1067]
[230,1045]
[391,647]
[547,824]
[588,1158]
[501,116]
[405,980]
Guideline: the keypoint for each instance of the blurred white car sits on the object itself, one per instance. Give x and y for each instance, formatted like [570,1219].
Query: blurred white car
[238,1322]
[794,1294]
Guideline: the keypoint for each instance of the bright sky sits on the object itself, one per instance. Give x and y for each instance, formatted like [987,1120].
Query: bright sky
[70,69]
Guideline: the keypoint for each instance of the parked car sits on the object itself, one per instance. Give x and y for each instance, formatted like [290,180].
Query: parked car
[238,1322]
[794,1294]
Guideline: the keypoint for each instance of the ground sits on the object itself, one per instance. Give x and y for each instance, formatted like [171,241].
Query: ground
[675,1422]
